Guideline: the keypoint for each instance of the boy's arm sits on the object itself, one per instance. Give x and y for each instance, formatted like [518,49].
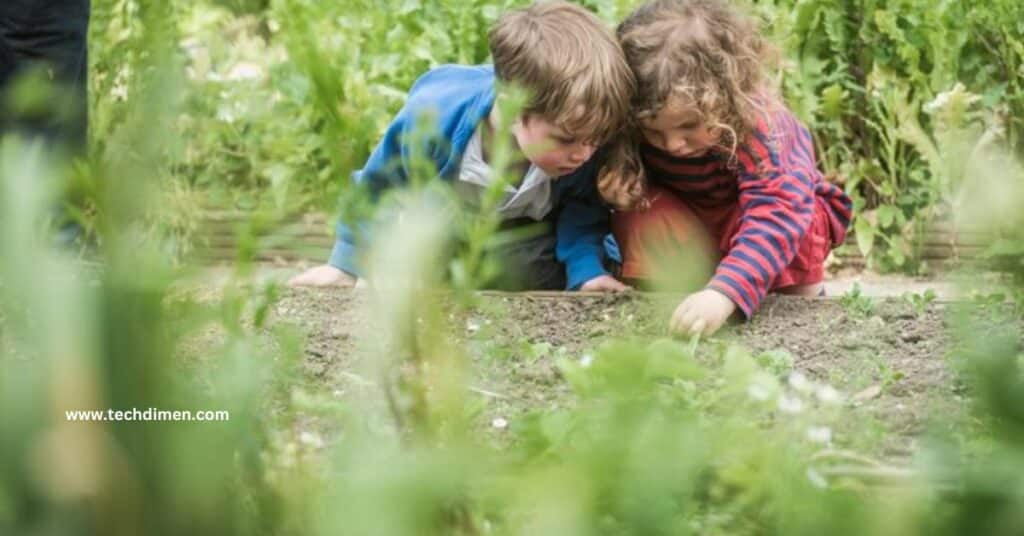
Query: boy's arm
[580,228]
[384,169]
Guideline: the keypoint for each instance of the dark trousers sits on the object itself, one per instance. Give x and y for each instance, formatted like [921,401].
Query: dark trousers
[525,256]
[47,39]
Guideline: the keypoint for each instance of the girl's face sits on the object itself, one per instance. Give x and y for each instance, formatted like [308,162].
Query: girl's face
[678,129]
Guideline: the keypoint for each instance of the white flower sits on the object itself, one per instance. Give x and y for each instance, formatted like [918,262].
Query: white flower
[472,326]
[119,92]
[311,439]
[828,395]
[586,360]
[499,423]
[800,383]
[758,391]
[245,71]
[226,115]
[790,404]
[820,434]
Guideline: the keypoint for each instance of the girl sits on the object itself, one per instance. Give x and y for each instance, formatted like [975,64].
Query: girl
[718,155]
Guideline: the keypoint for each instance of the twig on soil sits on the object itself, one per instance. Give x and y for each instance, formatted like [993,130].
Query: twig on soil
[487,393]
[846,455]
[358,379]
[370,383]
[869,473]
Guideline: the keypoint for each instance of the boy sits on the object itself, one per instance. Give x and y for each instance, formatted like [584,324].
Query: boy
[579,89]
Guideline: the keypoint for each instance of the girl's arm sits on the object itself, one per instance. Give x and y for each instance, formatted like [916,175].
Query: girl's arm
[776,176]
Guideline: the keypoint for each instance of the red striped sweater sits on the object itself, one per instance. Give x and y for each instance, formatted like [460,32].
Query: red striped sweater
[775,179]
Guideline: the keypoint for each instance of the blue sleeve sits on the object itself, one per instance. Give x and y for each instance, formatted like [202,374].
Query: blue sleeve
[385,168]
[581,227]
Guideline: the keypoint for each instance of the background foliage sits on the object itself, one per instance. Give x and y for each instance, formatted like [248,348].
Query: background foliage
[284,98]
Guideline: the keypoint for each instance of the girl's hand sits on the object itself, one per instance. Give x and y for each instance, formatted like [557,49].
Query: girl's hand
[604,283]
[703,312]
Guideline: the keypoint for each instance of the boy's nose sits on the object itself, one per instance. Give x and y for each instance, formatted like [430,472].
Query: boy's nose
[582,152]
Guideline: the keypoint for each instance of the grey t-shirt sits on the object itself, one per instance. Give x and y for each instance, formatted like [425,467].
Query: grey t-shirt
[532,199]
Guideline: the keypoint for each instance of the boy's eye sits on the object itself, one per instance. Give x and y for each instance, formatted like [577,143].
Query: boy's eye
[565,141]
[689,126]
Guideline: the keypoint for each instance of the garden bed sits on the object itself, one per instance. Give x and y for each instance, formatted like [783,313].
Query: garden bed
[886,358]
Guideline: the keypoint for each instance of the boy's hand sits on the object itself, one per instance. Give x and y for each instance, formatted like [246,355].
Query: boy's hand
[703,312]
[604,283]
[324,275]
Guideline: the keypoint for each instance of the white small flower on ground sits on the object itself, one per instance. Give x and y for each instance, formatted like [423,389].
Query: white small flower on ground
[790,404]
[820,434]
[758,391]
[311,439]
[245,71]
[226,115]
[472,326]
[586,360]
[800,383]
[828,395]
[499,423]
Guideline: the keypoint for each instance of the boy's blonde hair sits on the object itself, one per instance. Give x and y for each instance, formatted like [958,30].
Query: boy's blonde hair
[703,52]
[570,64]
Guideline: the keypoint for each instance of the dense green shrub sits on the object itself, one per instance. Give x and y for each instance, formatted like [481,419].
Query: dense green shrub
[285,98]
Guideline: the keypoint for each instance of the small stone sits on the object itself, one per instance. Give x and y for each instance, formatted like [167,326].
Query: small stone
[911,338]
[867,394]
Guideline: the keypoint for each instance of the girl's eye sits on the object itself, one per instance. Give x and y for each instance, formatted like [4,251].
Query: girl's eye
[689,126]
[565,141]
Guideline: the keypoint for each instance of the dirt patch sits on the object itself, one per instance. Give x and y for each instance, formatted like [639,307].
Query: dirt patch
[888,360]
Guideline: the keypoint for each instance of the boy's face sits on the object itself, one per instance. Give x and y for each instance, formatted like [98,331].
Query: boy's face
[678,129]
[555,151]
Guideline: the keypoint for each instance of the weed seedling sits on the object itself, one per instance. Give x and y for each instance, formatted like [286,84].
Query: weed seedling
[919,301]
[856,303]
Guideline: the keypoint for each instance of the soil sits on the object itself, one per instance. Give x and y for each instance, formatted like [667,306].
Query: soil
[889,361]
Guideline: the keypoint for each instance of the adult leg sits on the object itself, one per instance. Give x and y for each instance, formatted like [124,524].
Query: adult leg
[48,38]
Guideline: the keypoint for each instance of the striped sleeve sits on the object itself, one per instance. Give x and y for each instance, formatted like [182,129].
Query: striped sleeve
[776,199]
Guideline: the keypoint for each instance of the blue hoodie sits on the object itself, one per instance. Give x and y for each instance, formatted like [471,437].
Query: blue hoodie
[455,99]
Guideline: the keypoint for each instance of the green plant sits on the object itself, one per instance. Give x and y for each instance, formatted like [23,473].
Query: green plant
[856,303]
[921,301]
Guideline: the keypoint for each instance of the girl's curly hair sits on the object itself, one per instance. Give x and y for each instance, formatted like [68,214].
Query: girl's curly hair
[703,52]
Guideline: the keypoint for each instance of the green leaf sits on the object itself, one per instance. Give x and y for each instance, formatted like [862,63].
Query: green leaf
[886,215]
[865,236]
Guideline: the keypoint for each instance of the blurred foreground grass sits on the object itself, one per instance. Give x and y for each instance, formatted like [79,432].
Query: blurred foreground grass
[659,442]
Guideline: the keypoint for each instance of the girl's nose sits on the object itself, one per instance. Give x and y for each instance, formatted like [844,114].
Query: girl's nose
[676,145]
